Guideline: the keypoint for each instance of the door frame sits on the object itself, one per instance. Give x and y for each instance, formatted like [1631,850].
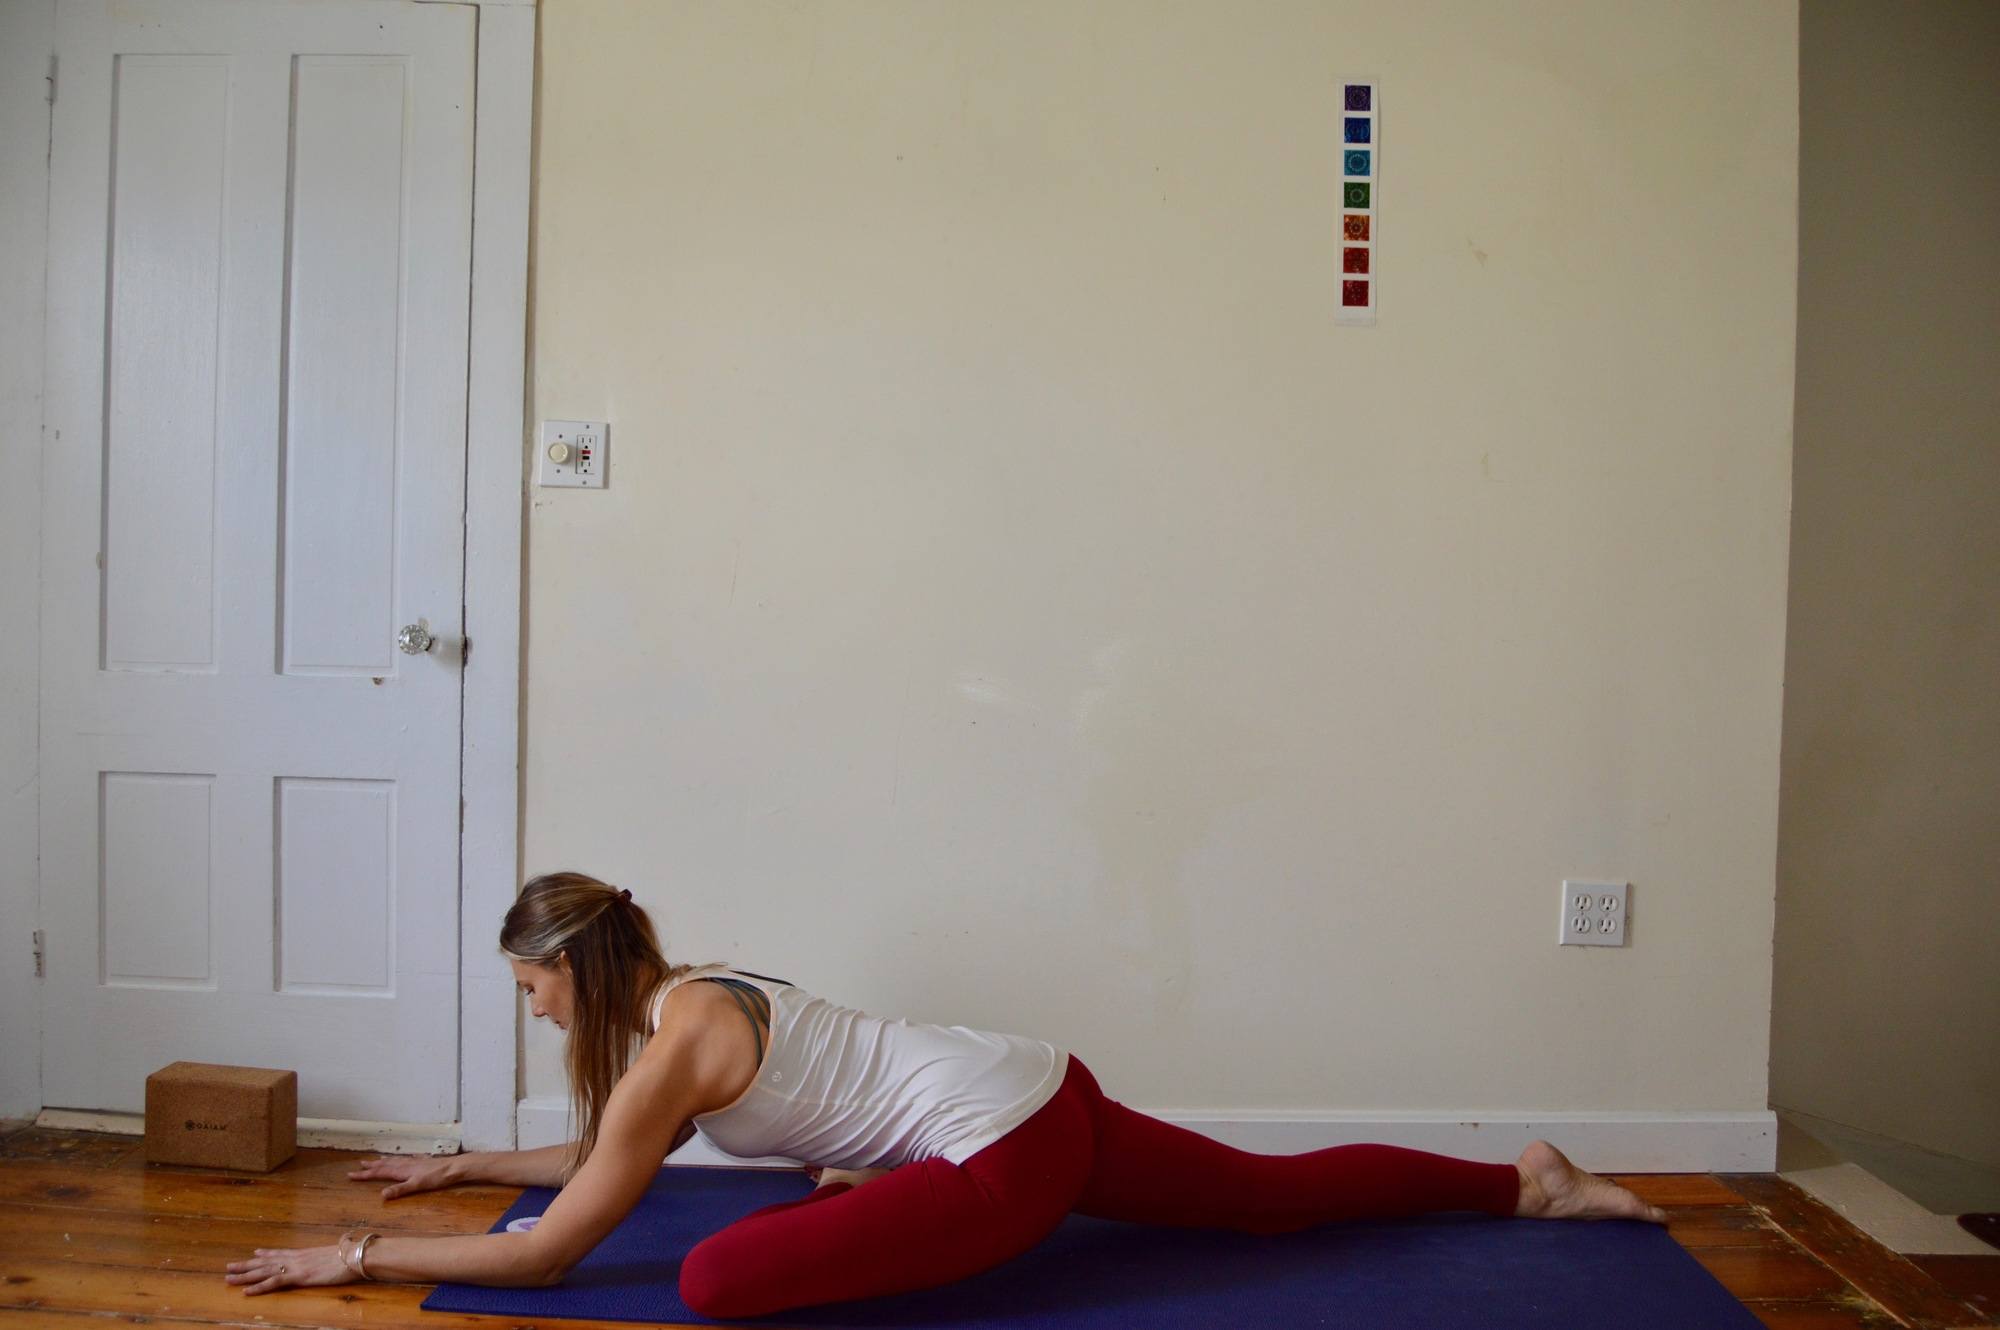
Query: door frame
[495,497]
[27,38]
[496,452]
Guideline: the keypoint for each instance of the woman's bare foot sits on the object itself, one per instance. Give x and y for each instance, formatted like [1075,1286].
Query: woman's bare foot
[1554,1188]
[853,1177]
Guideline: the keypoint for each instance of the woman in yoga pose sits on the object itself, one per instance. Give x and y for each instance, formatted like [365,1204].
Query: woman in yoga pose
[942,1151]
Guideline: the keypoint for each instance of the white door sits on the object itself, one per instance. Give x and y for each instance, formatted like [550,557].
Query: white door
[259,230]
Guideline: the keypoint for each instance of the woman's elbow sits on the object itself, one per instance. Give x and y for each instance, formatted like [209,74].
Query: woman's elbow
[544,1268]
[533,1276]
[549,1271]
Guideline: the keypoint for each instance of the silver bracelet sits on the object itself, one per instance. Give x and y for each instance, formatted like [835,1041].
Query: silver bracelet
[353,1256]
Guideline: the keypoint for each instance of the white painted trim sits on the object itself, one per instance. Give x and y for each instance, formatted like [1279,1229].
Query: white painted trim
[496,467]
[545,1121]
[1610,1142]
[1603,1142]
[1872,1205]
[540,1122]
[27,41]
[392,1138]
[399,1138]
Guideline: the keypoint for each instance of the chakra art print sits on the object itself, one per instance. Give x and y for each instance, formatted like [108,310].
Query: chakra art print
[1360,197]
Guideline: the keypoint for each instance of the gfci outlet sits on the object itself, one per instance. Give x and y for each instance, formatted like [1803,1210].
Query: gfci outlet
[574,454]
[1595,914]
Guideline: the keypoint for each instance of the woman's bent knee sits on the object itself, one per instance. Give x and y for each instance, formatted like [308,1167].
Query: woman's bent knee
[714,1286]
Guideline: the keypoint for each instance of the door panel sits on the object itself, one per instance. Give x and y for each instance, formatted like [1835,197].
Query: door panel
[260,224]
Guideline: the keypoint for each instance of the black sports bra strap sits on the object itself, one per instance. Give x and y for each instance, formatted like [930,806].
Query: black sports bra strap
[754,975]
[748,996]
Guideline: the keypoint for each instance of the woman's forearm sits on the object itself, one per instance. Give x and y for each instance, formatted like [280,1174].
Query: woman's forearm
[515,1168]
[506,1260]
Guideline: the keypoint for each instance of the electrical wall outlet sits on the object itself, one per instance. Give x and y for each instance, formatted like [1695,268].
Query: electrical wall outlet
[1595,914]
[574,454]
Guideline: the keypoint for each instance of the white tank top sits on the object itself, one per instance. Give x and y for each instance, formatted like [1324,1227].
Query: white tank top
[844,1089]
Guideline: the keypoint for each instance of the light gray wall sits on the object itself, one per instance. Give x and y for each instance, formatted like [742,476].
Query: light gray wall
[1016,603]
[27,35]
[1886,1012]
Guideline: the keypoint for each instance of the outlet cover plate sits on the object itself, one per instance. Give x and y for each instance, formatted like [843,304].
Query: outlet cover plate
[573,454]
[1595,914]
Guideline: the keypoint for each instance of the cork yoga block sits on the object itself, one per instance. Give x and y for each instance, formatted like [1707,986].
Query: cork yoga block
[222,1117]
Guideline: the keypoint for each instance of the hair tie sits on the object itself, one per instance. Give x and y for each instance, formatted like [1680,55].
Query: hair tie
[625,895]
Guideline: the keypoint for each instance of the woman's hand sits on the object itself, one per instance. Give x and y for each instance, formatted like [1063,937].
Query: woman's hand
[274,1268]
[408,1173]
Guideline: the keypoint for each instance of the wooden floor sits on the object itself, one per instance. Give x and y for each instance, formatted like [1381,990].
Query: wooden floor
[87,1230]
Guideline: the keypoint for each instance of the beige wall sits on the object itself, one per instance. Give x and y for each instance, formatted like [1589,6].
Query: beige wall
[1016,603]
[1887,998]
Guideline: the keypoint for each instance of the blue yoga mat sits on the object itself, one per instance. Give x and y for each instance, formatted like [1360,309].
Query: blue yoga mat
[1437,1272]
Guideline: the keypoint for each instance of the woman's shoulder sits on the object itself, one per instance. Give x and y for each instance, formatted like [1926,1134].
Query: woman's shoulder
[698,1032]
[682,999]
[720,970]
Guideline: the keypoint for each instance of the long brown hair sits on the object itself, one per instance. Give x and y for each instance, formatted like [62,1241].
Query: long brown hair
[616,967]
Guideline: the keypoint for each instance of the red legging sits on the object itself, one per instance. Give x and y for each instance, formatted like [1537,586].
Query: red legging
[931,1222]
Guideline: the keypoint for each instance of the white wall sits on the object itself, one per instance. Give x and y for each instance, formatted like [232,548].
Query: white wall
[1016,603]
[1886,991]
[27,35]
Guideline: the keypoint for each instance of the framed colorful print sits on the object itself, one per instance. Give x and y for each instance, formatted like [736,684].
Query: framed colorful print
[1360,199]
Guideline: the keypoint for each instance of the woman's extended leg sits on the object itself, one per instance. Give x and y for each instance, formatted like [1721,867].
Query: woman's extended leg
[927,1223]
[1152,1172]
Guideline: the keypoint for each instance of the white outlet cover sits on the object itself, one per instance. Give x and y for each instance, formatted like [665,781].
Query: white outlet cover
[573,454]
[1595,914]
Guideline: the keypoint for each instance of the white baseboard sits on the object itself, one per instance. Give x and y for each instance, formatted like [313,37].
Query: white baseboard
[398,1138]
[1602,1142]
[1608,1142]
[540,1122]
